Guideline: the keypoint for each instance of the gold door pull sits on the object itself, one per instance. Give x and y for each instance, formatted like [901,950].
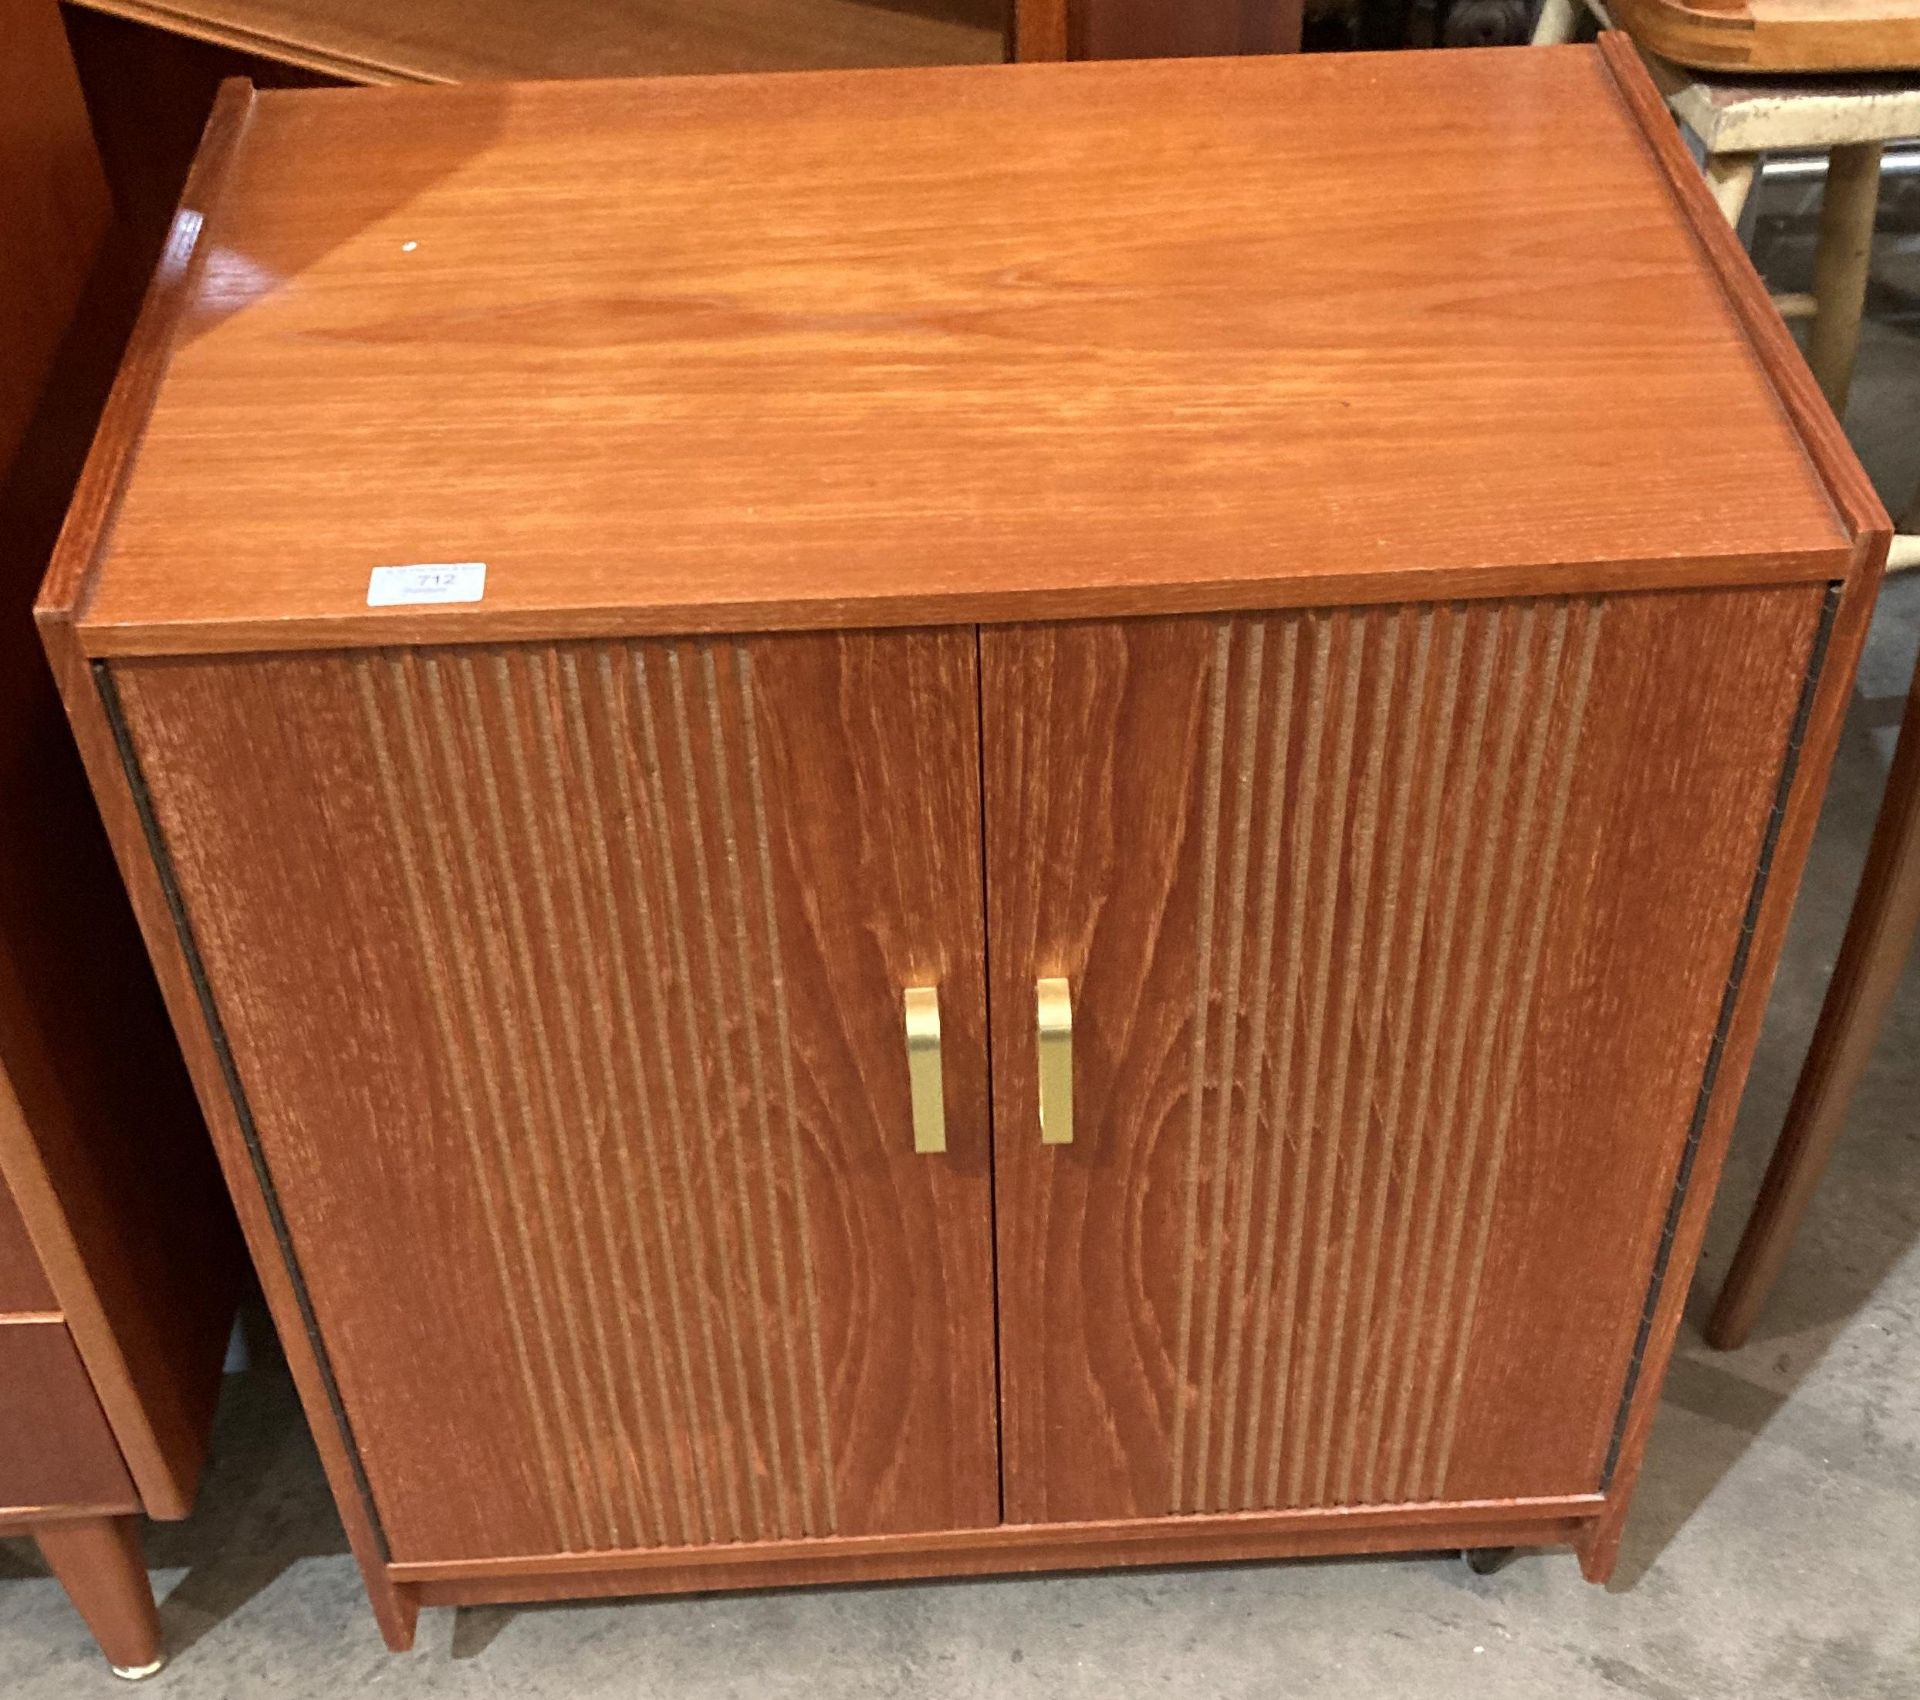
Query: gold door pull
[1055,1004]
[923,1069]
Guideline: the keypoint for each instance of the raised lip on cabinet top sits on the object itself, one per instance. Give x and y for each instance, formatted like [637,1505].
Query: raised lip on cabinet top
[985,343]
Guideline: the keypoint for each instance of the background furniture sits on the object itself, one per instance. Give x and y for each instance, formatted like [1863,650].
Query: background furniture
[447,41]
[455,41]
[1153,29]
[1370,889]
[1777,35]
[118,1259]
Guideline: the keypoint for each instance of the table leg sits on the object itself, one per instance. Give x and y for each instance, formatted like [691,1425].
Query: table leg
[1840,266]
[99,1563]
[1559,22]
[1730,177]
[1880,933]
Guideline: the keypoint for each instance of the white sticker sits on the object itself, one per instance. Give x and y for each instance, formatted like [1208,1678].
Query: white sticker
[431,581]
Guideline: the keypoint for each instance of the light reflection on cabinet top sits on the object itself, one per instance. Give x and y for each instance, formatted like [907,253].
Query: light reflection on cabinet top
[909,346]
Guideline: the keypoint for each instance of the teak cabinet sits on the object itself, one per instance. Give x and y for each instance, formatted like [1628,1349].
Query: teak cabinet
[1066,848]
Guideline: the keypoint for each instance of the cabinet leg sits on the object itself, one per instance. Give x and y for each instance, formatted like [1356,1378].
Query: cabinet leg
[1599,1552]
[99,1563]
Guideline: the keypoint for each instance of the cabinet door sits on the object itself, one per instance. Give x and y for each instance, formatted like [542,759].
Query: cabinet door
[1396,942]
[564,985]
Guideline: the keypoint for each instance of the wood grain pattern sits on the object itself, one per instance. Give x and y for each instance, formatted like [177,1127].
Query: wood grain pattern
[56,1449]
[445,41]
[619,1009]
[1128,406]
[1387,1028]
[1777,35]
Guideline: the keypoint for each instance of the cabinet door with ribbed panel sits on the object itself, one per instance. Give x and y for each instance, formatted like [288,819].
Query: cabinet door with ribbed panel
[1355,978]
[563,989]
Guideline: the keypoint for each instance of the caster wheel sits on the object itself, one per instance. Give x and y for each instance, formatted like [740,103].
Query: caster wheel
[1484,1561]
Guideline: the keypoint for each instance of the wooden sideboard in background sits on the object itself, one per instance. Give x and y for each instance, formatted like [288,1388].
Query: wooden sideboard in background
[449,41]
[1154,29]
[461,41]
[119,1260]
[53,206]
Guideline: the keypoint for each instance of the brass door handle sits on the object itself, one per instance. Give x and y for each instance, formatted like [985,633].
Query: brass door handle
[1054,1002]
[923,1069]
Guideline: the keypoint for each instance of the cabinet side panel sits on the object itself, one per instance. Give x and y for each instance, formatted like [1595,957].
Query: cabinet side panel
[564,986]
[1397,939]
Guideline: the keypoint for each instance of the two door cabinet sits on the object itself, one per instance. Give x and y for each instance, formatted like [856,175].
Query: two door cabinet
[974,820]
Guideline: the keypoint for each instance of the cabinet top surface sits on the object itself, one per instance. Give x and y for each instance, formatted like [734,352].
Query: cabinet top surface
[969,342]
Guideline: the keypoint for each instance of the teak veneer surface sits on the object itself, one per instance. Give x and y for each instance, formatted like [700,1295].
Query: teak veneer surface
[887,347]
[629,1162]
[1397,938]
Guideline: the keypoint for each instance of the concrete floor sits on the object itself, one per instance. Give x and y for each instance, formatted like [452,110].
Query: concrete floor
[1774,1549]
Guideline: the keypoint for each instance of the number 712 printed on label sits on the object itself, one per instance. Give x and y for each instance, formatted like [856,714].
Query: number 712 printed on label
[429,581]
